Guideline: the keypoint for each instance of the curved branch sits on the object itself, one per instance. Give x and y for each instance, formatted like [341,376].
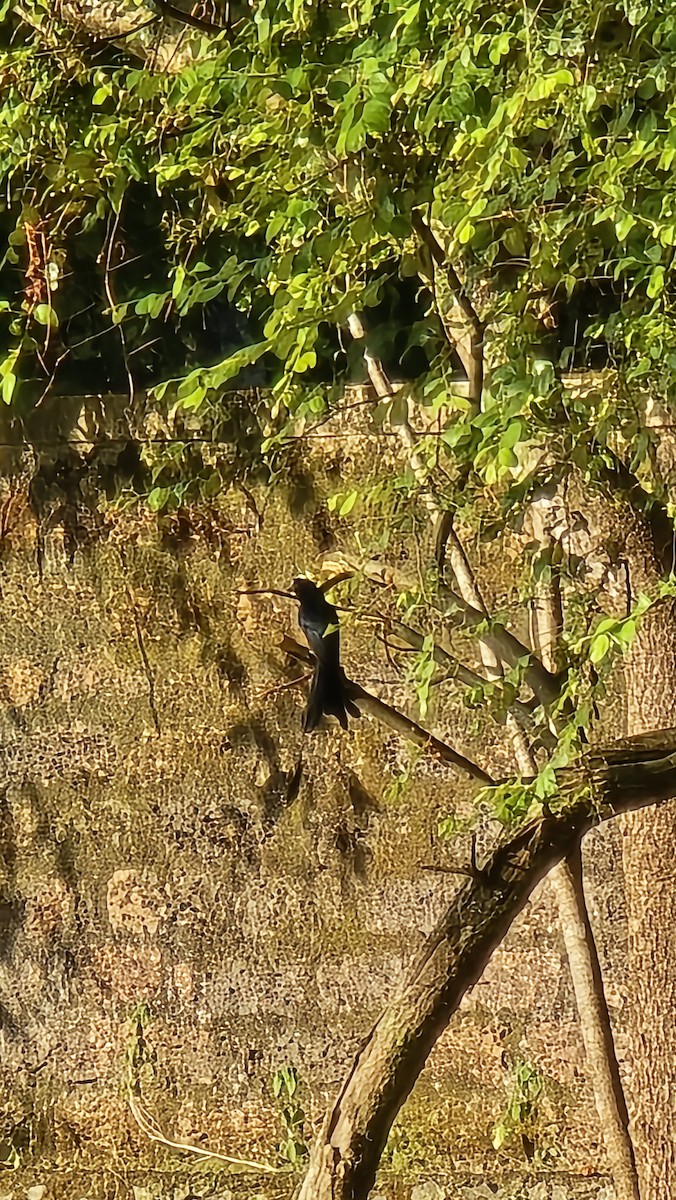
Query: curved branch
[545,685]
[186,18]
[470,342]
[345,1158]
[578,935]
[398,721]
[500,644]
[457,670]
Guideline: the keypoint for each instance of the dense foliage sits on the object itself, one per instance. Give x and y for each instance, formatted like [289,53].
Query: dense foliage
[283,167]
[220,223]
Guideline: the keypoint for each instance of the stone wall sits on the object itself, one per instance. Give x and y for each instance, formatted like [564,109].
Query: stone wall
[176,925]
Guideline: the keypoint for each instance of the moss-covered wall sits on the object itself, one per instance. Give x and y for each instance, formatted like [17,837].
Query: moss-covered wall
[164,900]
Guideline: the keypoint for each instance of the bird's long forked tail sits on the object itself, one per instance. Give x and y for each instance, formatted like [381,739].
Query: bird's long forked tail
[328,697]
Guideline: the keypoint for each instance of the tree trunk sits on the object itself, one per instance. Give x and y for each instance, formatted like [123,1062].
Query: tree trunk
[345,1158]
[649,855]
[595,1024]
[578,936]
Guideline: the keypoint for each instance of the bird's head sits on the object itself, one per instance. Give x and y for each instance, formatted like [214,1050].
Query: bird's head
[304,589]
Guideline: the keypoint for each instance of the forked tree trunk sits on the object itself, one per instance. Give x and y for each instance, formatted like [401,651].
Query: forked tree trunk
[649,855]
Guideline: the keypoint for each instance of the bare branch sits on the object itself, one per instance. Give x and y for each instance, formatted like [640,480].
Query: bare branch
[395,720]
[470,341]
[186,18]
[497,644]
[439,255]
[266,592]
[149,1125]
[441,657]
[545,685]
[578,935]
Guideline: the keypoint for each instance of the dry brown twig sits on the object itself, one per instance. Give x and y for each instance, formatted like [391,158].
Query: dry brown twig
[149,1126]
[282,687]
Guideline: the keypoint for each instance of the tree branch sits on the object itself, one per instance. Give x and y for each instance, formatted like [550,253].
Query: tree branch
[459,671]
[498,642]
[169,10]
[345,1158]
[443,659]
[545,685]
[578,935]
[395,720]
[470,347]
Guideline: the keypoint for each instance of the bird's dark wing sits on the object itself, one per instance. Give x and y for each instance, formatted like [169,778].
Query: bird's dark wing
[319,622]
[321,632]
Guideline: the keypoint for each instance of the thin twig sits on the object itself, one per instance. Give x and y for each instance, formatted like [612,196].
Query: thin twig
[472,354]
[265,592]
[149,1126]
[283,687]
[498,642]
[111,298]
[544,684]
[117,37]
[177,14]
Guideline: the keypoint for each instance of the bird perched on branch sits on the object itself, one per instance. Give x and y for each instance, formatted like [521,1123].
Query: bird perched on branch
[319,621]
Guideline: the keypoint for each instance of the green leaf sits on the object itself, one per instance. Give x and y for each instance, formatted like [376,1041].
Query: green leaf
[157,498]
[545,784]
[152,304]
[44,314]
[348,503]
[513,434]
[607,625]
[465,232]
[548,85]
[627,631]
[193,398]
[351,135]
[7,386]
[179,280]
[376,116]
[361,229]
[507,457]
[410,13]
[656,282]
[599,648]
[624,226]
[500,1135]
[305,361]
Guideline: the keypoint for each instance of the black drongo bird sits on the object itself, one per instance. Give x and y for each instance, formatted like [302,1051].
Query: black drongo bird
[319,621]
